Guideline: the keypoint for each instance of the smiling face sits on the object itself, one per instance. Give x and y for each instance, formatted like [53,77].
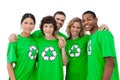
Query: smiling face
[48,29]
[75,30]
[60,19]
[27,25]
[89,22]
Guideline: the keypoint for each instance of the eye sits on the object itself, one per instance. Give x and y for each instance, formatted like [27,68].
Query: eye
[83,21]
[31,23]
[89,19]
[25,22]
[45,26]
[51,26]
[62,20]
[73,26]
[78,27]
[57,19]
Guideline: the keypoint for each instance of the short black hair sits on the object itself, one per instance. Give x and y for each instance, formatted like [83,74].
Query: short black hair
[28,15]
[90,12]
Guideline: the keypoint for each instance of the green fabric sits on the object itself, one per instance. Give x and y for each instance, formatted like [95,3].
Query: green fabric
[101,45]
[76,50]
[62,35]
[50,65]
[37,34]
[23,53]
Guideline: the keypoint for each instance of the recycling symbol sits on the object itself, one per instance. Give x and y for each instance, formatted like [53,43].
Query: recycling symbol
[89,49]
[52,56]
[74,51]
[33,52]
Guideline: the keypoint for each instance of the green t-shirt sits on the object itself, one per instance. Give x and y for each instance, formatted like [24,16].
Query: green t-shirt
[50,65]
[23,53]
[76,51]
[39,33]
[101,45]
[62,35]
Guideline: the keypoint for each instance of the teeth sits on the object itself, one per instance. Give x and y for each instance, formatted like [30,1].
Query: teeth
[86,26]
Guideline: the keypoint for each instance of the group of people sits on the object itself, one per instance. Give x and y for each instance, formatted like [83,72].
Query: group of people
[42,54]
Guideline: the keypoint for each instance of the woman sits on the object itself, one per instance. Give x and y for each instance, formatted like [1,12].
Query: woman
[50,58]
[23,52]
[76,50]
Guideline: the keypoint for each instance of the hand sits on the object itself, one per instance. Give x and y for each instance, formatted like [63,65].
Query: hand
[12,37]
[62,42]
[103,27]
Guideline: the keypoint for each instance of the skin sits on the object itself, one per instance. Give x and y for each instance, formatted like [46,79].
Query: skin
[27,26]
[48,31]
[60,19]
[75,30]
[90,24]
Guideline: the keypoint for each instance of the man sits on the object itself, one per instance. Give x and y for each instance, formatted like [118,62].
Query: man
[59,16]
[102,61]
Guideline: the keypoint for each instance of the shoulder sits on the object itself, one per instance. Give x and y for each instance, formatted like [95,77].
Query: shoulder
[37,31]
[85,37]
[62,35]
[104,33]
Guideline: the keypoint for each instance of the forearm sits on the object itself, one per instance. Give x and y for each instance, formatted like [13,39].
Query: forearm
[11,71]
[108,69]
[64,56]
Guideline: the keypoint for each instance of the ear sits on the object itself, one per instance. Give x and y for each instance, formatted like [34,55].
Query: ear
[96,19]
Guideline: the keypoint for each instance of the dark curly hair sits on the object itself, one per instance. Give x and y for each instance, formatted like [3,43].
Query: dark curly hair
[48,19]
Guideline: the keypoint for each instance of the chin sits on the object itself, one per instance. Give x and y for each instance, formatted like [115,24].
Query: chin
[87,29]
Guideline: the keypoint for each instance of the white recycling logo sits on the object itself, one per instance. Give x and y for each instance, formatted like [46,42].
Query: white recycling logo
[89,49]
[77,53]
[33,52]
[52,57]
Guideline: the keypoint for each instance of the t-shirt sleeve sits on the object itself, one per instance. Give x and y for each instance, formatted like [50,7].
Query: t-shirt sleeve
[37,34]
[106,42]
[62,35]
[11,52]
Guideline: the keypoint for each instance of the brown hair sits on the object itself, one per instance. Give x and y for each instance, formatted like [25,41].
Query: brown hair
[48,19]
[76,19]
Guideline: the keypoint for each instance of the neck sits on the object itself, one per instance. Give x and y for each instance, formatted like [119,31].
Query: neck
[25,34]
[50,37]
[74,37]
[93,30]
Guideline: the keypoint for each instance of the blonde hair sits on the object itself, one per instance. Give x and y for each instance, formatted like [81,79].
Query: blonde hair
[75,19]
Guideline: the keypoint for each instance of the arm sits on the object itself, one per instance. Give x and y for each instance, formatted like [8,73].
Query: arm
[13,38]
[11,71]
[108,69]
[61,42]
[64,56]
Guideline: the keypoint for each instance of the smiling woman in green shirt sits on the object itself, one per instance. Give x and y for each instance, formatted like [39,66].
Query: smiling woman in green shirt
[23,52]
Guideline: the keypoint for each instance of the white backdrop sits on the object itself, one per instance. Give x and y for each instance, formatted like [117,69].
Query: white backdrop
[11,12]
